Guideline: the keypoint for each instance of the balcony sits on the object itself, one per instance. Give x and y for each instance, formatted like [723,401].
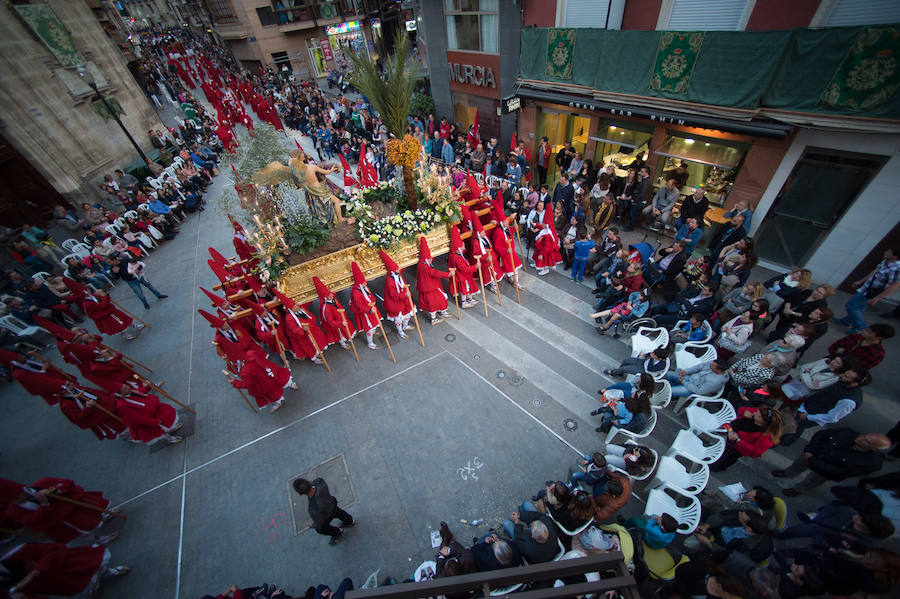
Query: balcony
[234,31]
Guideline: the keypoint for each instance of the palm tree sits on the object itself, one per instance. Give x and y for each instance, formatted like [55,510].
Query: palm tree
[390,95]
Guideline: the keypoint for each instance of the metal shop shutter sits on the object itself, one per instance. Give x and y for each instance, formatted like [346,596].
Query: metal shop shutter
[863,12]
[702,15]
[586,13]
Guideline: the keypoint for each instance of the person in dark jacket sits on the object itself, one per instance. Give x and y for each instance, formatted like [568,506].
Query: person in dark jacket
[453,559]
[671,262]
[835,454]
[323,508]
[564,193]
[493,553]
[693,206]
[727,233]
[639,194]
[669,313]
[533,535]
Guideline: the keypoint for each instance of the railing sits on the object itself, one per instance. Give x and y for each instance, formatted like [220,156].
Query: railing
[495,580]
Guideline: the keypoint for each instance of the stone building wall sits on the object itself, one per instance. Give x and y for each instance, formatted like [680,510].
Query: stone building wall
[45,110]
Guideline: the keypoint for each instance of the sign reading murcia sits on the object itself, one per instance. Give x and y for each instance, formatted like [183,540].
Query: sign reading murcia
[472,75]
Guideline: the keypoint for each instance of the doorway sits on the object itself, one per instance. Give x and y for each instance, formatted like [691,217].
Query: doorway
[822,186]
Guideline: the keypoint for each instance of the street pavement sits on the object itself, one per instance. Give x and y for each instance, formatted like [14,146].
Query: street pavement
[462,429]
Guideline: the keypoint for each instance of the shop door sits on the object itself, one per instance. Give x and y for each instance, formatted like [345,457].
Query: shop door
[867,265]
[819,191]
[26,196]
[318,61]
[560,127]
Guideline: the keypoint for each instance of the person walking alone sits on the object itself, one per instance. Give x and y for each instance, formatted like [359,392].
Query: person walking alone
[323,508]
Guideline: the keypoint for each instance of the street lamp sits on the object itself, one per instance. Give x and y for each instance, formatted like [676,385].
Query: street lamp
[88,78]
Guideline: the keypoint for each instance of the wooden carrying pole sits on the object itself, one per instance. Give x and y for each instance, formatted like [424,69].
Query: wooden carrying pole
[383,334]
[415,318]
[115,351]
[515,274]
[521,249]
[496,282]
[319,352]
[112,415]
[129,314]
[481,280]
[85,504]
[241,391]
[453,289]
[156,388]
[343,314]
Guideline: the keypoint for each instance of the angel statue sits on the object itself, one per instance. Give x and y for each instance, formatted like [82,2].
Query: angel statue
[323,204]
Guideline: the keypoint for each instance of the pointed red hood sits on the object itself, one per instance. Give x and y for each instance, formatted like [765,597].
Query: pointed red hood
[287,302]
[216,300]
[358,277]
[424,250]
[456,242]
[388,261]
[57,330]
[214,321]
[321,289]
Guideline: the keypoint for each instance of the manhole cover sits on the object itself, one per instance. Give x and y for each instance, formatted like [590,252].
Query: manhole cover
[516,380]
[570,424]
[450,337]
[476,357]
[537,403]
[501,374]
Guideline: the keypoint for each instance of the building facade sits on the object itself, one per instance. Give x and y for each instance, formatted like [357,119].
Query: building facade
[52,130]
[307,37]
[471,52]
[783,105]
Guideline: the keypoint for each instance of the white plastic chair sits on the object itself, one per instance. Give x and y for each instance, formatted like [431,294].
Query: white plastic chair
[660,375]
[500,591]
[707,328]
[131,214]
[155,233]
[691,445]
[147,242]
[648,428]
[154,183]
[691,353]
[41,276]
[68,244]
[570,533]
[648,339]
[22,329]
[82,250]
[662,397]
[701,418]
[562,552]
[664,500]
[66,257]
[113,230]
[643,476]
[683,401]
[673,473]
[144,206]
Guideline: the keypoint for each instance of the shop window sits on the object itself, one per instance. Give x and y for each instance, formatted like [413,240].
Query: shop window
[710,163]
[266,16]
[560,127]
[795,226]
[620,145]
[472,25]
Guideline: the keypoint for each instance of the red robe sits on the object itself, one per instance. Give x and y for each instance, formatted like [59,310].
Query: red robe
[396,302]
[101,424]
[484,248]
[111,374]
[295,337]
[233,348]
[242,246]
[144,415]
[263,379]
[81,355]
[546,250]
[109,319]
[333,323]
[505,248]
[62,522]
[48,384]
[366,317]
[465,273]
[63,570]
[265,332]
[428,283]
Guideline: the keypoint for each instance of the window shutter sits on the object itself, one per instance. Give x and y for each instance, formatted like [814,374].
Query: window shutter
[863,12]
[586,13]
[702,15]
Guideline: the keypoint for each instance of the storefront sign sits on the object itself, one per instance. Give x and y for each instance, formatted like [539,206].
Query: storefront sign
[342,28]
[512,104]
[326,50]
[472,75]
[619,112]
[411,25]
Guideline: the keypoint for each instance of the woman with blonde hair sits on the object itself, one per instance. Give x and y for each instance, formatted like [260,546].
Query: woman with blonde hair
[751,434]
[738,300]
[780,287]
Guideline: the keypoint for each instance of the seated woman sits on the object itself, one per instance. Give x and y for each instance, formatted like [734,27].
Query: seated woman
[630,413]
[576,513]
[735,335]
[653,363]
[453,559]
[751,434]
[591,471]
[750,535]
[636,460]
[799,309]
[637,305]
